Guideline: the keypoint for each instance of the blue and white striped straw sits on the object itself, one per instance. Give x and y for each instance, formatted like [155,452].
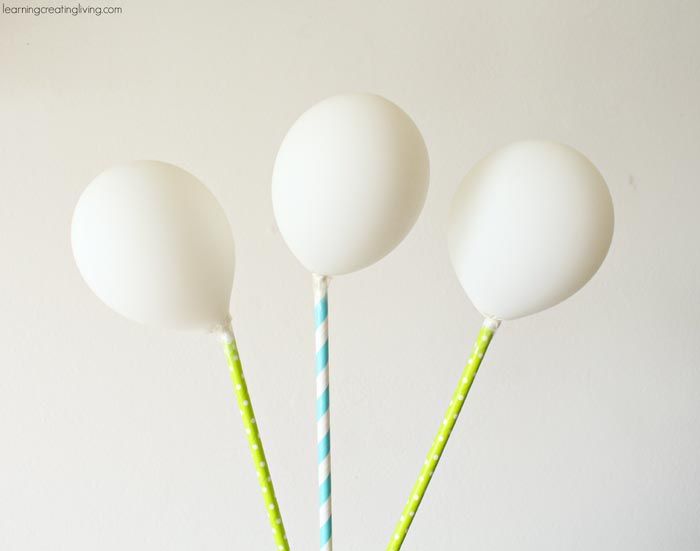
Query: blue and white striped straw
[323,421]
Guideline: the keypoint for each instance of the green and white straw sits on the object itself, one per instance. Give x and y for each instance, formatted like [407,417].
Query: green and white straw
[256,448]
[465,382]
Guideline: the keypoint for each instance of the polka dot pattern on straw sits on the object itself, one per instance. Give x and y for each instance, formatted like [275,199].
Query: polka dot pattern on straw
[460,394]
[255,443]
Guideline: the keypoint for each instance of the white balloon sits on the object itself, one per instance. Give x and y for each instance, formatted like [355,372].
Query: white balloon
[349,182]
[529,226]
[154,244]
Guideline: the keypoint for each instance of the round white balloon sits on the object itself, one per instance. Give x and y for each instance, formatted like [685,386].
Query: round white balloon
[349,182]
[529,226]
[154,244]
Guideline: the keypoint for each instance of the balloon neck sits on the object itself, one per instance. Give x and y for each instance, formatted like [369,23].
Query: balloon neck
[224,331]
[320,280]
[490,323]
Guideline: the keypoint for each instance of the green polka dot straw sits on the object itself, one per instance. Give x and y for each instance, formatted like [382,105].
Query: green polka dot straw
[460,394]
[254,442]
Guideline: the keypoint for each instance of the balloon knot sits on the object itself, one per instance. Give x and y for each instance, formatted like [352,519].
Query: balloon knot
[224,330]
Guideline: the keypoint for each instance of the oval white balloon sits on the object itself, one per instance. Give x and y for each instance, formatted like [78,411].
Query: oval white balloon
[349,182]
[154,244]
[529,226]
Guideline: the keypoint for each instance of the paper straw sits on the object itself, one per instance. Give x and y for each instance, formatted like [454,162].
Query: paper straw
[323,422]
[255,443]
[465,382]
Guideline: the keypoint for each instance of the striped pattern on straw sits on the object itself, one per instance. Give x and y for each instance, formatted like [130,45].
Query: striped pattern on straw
[323,425]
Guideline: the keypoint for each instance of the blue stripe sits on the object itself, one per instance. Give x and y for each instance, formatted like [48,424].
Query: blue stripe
[322,404]
[324,447]
[324,490]
[321,311]
[326,530]
[322,358]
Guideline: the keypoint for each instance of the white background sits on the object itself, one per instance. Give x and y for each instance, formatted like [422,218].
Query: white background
[583,428]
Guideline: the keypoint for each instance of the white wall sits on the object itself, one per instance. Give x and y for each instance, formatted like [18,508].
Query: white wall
[583,429]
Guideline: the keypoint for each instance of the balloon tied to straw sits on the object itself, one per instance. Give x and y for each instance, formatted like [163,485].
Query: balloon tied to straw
[154,244]
[529,226]
[349,181]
